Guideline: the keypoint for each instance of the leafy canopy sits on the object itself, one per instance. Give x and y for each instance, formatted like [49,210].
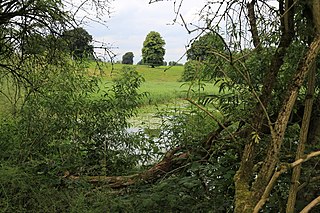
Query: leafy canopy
[153,49]
[205,47]
[204,58]
[127,58]
[78,43]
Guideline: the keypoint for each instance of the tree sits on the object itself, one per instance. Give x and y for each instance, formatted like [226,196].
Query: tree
[233,150]
[204,47]
[23,22]
[36,44]
[258,128]
[205,51]
[153,49]
[127,58]
[193,70]
[78,42]
[275,95]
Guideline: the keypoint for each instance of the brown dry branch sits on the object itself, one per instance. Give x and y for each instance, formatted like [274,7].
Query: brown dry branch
[173,160]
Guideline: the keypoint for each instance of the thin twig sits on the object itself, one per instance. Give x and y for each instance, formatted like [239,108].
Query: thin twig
[211,116]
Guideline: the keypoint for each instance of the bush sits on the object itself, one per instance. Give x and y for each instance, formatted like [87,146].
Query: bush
[192,70]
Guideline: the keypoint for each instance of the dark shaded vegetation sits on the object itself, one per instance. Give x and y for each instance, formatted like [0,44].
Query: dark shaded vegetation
[127,58]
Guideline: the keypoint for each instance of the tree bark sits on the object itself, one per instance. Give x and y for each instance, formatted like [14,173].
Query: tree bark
[243,177]
[314,131]
[274,148]
[302,140]
[253,24]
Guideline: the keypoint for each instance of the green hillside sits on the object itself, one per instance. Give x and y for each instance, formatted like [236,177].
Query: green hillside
[162,84]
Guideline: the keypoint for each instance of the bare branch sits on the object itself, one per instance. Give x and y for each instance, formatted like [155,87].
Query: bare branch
[283,168]
[311,205]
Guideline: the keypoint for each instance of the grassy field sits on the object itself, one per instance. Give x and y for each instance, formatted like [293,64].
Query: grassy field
[165,90]
[162,84]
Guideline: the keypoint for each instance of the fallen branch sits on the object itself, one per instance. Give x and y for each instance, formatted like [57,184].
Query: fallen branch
[171,161]
[174,160]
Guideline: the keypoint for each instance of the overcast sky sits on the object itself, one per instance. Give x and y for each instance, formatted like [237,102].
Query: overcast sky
[132,20]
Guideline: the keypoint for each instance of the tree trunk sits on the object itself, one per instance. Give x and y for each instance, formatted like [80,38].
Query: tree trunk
[314,131]
[302,140]
[247,198]
[271,160]
[306,118]
[244,175]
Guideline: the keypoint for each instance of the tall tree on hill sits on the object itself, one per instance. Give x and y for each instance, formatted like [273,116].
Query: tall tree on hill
[78,42]
[153,49]
[127,58]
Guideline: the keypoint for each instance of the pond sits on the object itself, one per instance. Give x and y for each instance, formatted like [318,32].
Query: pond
[151,122]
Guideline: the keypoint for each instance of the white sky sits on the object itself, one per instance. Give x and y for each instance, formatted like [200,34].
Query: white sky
[132,20]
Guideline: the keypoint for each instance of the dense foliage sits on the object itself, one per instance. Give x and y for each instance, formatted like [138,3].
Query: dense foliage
[78,42]
[153,49]
[65,140]
[127,58]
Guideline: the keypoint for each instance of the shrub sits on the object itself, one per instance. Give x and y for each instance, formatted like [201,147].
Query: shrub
[192,70]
